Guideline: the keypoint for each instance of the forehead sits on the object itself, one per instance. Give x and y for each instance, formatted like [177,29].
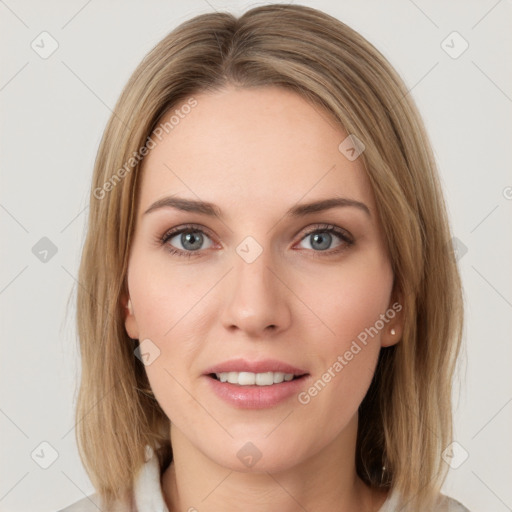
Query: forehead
[261,147]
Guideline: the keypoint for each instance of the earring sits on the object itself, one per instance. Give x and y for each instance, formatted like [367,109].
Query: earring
[393,332]
[383,475]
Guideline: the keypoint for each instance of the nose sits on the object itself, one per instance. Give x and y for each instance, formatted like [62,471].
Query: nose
[256,298]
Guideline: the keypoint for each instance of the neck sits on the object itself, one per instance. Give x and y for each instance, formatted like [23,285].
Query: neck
[325,482]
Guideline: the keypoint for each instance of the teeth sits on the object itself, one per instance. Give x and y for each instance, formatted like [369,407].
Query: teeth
[251,379]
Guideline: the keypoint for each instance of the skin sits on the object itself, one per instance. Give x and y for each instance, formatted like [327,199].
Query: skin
[255,153]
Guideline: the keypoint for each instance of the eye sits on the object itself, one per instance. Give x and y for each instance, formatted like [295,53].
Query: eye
[185,241]
[190,240]
[321,239]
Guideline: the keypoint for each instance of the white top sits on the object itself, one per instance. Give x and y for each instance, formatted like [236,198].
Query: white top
[149,497]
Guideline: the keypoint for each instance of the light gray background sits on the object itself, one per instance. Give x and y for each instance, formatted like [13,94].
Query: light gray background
[53,114]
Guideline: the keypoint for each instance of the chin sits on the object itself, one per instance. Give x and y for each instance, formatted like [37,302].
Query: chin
[260,455]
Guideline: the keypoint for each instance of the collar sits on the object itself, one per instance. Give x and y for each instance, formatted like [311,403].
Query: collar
[148,489]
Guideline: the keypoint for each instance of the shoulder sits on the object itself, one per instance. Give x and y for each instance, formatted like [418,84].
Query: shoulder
[444,504]
[93,503]
[447,504]
[146,495]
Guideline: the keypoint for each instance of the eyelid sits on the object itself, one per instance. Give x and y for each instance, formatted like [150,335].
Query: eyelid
[332,228]
[185,227]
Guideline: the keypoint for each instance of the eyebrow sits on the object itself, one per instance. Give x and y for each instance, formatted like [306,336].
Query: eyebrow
[211,210]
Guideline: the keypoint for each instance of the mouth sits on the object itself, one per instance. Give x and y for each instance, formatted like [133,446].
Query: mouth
[256,384]
[255,379]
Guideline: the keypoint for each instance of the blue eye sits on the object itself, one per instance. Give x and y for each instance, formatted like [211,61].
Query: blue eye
[320,240]
[191,240]
[322,237]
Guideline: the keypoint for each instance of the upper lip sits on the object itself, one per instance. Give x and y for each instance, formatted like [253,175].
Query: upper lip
[262,366]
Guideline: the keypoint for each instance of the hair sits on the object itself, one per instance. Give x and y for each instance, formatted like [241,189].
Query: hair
[405,419]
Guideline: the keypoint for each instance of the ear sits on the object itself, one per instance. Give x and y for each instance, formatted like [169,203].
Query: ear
[393,331]
[130,322]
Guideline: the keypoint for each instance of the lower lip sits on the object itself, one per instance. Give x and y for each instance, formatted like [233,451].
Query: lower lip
[256,397]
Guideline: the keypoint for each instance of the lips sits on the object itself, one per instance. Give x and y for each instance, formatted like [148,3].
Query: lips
[263,366]
[255,384]
[257,396]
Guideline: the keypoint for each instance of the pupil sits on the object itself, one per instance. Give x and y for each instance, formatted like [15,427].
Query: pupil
[194,239]
[326,238]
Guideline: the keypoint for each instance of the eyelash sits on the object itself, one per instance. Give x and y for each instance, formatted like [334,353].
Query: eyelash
[321,228]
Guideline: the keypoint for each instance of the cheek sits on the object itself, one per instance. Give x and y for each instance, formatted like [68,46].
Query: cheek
[162,294]
[169,323]
[349,299]
[351,302]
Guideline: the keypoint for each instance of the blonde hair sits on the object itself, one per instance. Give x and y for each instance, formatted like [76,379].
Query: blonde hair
[405,420]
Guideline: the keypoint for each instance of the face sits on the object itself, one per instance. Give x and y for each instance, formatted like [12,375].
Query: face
[254,287]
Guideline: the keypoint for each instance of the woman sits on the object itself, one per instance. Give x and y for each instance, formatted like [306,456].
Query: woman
[270,310]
